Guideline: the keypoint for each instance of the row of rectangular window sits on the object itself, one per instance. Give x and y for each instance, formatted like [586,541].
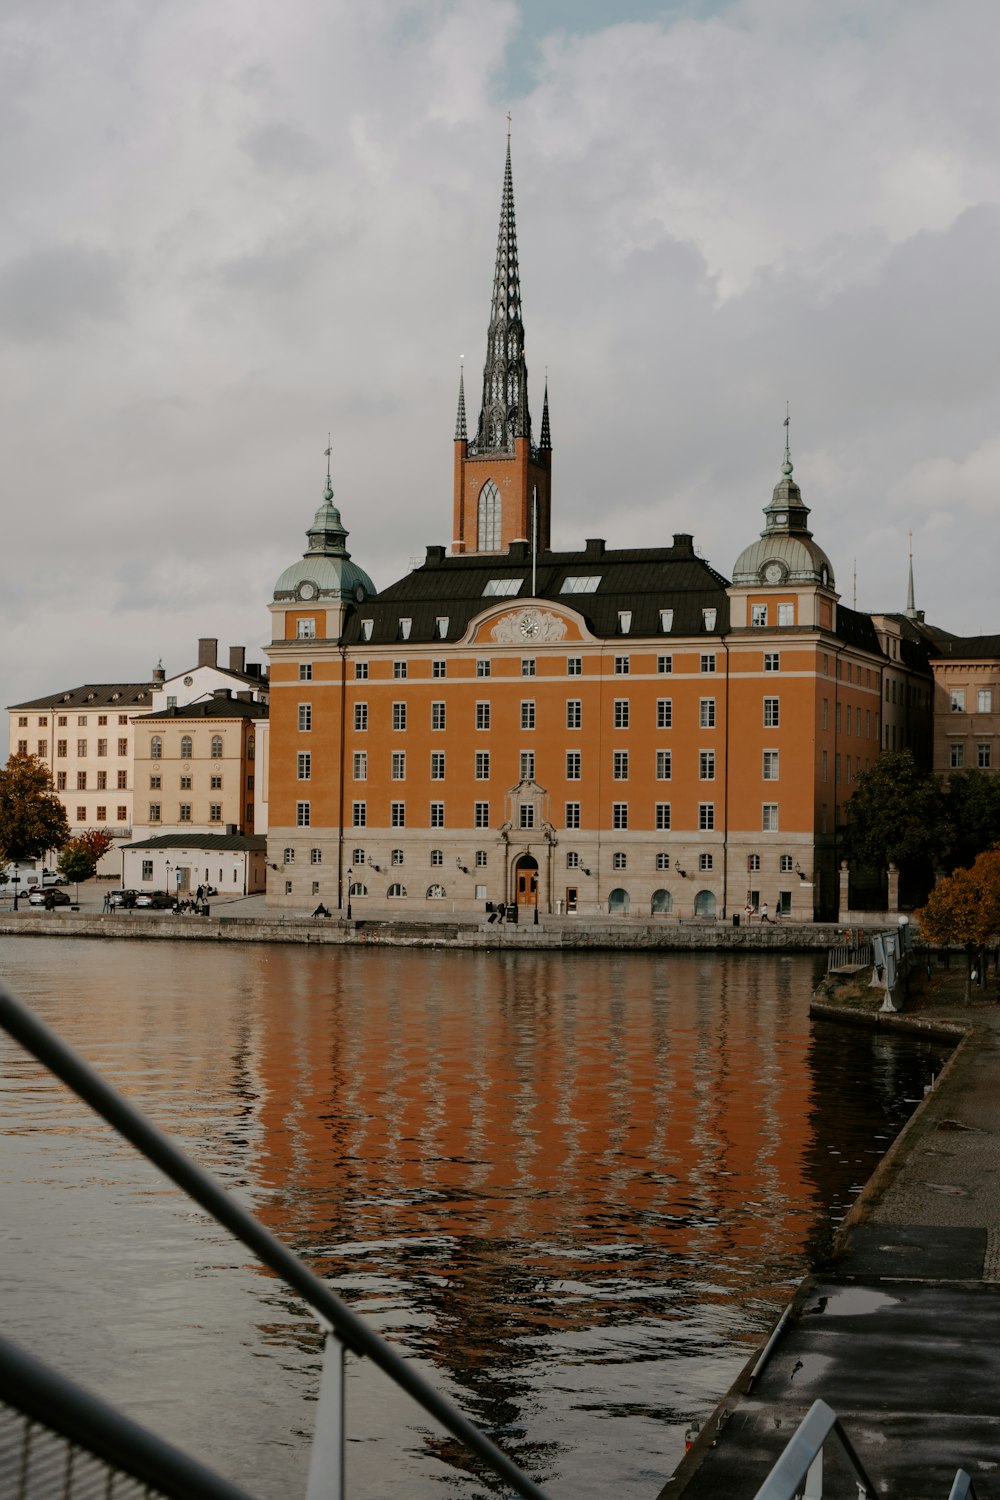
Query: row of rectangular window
[184,812]
[62,721]
[527,814]
[984,700]
[574,714]
[62,748]
[621,761]
[574,666]
[101,814]
[956,756]
[101,783]
[186,747]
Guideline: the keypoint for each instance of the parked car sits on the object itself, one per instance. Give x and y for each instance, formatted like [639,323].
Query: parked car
[158,900]
[123,898]
[49,896]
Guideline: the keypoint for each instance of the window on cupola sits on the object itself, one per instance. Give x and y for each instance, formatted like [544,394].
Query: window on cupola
[490,516]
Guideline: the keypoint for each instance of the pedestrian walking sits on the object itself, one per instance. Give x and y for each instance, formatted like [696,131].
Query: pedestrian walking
[763,913]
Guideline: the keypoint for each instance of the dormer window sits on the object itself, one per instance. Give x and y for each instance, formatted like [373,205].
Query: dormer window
[624,621]
[405,626]
[367,626]
[666,621]
[708,617]
[441,627]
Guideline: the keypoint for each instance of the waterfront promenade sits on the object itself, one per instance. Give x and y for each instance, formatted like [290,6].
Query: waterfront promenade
[900,1333]
[248,919]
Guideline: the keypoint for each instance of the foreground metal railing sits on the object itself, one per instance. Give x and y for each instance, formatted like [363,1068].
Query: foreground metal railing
[345,1329]
[56,1439]
[799,1470]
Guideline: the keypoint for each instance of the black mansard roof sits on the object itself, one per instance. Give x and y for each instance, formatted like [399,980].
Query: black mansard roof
[95,695]
[644,580]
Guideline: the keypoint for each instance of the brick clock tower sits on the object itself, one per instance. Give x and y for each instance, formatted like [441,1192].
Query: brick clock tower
[502,481]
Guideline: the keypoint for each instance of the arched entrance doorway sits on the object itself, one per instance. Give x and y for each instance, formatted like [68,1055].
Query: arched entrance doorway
[526,880]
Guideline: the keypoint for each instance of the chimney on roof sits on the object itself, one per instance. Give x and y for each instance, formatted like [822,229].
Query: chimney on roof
[237,659]
[220,692]
[245,696]
[595,546]
[684,542]
[208,651]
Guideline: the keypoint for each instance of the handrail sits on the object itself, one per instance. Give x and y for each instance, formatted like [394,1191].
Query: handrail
[56,1055]
[45,1396]
[804,1451]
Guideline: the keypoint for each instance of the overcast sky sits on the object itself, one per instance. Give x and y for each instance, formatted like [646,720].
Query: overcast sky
[230,227]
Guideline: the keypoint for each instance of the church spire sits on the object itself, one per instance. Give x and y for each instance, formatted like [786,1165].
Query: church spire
[461,432]
[504,415]
[545,440]
[911,607]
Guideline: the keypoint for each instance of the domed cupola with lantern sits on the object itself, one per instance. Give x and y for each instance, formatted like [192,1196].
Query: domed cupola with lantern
[312,595]
[784,560]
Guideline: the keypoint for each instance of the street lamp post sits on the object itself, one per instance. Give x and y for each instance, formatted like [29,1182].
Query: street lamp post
[15,881]
[350,878]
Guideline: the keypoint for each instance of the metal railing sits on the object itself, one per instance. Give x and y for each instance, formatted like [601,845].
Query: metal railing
[850,956]
[345,1329]
[799,1470]
[56,1439]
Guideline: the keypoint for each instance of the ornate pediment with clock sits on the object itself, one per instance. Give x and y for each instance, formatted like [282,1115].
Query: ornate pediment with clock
[528,626]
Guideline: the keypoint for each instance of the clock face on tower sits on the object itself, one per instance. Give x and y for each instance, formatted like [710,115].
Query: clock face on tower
[772,572]
[307,590]
[528,624]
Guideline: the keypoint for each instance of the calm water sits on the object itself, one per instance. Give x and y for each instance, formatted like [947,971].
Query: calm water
[574,1190]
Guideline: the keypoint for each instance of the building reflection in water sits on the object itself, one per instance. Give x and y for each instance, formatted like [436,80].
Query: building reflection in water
[574,1188]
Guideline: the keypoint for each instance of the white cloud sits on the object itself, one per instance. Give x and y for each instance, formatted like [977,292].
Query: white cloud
[232,228]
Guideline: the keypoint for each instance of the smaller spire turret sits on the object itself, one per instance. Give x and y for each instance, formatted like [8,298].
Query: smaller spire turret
[911,606]
[545,439]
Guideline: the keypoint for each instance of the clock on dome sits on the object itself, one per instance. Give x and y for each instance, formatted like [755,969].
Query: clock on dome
[773,573]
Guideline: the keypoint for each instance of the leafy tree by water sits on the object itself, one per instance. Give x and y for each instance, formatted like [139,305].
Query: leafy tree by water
[964,907]
[897,816]
[32,819]
[974,810]
[79,858]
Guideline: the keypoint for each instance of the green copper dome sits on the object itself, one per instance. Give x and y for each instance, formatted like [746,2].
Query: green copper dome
[325,571]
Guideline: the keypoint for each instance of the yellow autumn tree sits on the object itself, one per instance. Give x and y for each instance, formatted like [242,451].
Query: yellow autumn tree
[964,908]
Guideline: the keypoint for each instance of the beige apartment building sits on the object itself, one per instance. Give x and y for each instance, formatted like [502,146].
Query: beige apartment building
[195,767]
[84,736]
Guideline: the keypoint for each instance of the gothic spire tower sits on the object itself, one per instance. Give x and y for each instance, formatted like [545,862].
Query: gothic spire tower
[502,481]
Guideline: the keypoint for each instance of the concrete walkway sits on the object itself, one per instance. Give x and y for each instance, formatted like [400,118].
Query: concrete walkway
[903,1338]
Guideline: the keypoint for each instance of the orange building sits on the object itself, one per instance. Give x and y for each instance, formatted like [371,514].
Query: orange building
[603,730]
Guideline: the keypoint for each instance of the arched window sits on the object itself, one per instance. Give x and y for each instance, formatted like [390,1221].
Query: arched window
[359,889]
[216,746]
[185,747]
[662,902]
[488,539]
[704,904]
[435,893]
[155,748]
[396,890]
[618,901]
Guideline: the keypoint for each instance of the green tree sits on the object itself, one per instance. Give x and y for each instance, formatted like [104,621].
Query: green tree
[897,816]
[974,810]
[32,819]
[78,859]
[964,907]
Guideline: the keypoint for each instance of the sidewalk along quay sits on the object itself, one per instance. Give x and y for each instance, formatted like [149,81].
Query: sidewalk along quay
[248,919]
[899,1332]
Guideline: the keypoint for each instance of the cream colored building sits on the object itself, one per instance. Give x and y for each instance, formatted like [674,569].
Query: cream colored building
[967,704]
[84,736]
[195,767]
